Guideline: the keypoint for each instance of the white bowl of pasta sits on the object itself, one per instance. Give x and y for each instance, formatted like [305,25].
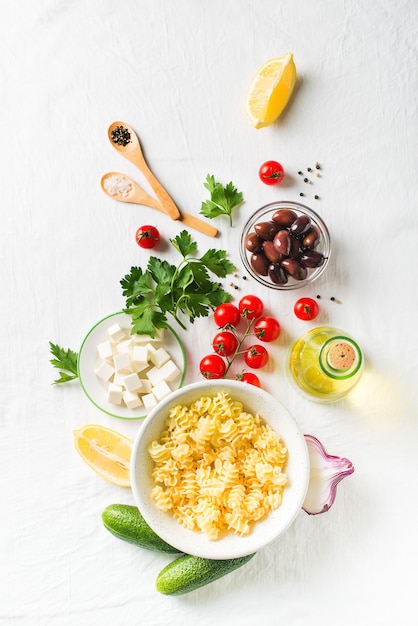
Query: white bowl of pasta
[219,469]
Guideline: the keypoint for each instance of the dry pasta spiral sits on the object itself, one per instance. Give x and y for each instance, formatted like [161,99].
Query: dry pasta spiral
[217,468]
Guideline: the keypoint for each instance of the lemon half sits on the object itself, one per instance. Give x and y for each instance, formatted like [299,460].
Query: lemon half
[270,91]
[107,452]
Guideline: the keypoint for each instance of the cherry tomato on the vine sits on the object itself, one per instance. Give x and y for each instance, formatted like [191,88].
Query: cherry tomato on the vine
[271,173]
[249,377]
[256,356]
[226,315]
[147,236]
[225,343]
[212,366]
[267,328]
[306,308]
[251,307]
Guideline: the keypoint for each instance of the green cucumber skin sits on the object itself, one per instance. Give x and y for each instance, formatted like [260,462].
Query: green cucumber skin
[188,573]
[126,522]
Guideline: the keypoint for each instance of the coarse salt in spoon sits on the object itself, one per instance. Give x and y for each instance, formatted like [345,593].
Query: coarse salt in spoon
[121,187]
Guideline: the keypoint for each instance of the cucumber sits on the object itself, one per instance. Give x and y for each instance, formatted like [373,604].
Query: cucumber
[126,522]
[188,573]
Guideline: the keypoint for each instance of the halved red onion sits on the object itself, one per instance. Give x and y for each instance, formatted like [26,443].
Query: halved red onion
[326,472]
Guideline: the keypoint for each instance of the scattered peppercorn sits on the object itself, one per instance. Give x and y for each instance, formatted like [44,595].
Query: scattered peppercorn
[318,167]
[121,136]
[244,278]
[309,169]
[318,296]
[316,197]
[300,173]
[301,194]
[235,286]
[332,299]
[305,180]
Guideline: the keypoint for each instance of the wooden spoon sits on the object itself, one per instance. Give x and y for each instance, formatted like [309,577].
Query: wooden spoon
[133,152]
[136,195]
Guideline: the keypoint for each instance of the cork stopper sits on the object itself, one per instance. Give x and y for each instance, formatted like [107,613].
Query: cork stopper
[341,355]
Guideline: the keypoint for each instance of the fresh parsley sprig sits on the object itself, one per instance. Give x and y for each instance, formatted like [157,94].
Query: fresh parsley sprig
[222,199]
[65,361]
[185,290]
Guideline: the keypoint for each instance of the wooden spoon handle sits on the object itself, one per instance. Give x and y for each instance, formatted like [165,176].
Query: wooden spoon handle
[137,158]
[198,224]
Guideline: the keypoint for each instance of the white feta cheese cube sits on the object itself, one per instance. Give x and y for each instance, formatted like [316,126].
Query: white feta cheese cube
[105,349]
[104,371]
[132,382]
[116,333]
[122,363]
[119,379]
[162,390]
[139,367]
[140,354]
[123,346]
[169,371]
[155,375]
[146,385]
[159,357]
[114,394]
[151,349]
[132,400]
[149,400]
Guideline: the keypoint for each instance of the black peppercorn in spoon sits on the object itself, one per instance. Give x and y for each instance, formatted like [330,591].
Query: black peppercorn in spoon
[124,139]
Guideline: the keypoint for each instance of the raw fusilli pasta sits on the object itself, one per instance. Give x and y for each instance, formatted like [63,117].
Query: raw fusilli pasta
[217,469]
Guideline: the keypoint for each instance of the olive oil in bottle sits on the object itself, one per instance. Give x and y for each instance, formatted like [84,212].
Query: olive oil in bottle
[325,364]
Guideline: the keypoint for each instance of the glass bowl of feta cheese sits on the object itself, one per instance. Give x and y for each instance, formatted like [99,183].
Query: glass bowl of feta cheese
[126,375]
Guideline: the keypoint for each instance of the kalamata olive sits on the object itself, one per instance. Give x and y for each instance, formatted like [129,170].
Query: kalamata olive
[311,258]
[295,269]
[300,225]
[259,263]
[281,242]
[266,230]
[311,238]
[253,242]
[270,251]
[296,248]
[284,217]
[277,274]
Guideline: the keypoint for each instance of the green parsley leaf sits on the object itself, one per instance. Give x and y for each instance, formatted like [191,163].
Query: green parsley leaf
[222,199]
[184,244]
[217,263]
[64,360]
[183,290]
[146,320]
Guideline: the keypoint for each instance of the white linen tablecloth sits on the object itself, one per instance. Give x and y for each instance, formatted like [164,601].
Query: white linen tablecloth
[178,72]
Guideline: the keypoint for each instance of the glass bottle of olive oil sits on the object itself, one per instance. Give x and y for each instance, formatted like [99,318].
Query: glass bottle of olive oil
[325,364]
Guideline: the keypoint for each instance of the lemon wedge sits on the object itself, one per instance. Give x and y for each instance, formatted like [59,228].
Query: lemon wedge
[107,452]
[270,90]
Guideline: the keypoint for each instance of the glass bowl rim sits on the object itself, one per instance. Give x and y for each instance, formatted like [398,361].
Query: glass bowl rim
[292,205]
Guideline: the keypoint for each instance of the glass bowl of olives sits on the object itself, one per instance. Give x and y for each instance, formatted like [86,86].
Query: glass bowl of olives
[285,245]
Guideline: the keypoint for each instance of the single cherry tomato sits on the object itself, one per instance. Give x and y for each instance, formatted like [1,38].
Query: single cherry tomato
[147,236]
[267,328]
[226,315]
[251,307]
[225,343]
[212,366]
[271,173]
[306,308]
[256,356]
[250,378]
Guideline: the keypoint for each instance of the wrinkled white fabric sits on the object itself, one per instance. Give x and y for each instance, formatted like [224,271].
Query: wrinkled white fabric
[178,72]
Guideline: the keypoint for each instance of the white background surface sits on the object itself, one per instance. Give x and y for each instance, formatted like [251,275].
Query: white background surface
[178,71]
